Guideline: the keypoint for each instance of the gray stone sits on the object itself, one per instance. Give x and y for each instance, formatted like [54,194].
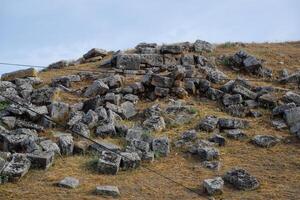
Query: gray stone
[178,73]
[241,179]
[41,160]
[246,93]
[226,123]
[265,141]
[106,130]
[213,186]
[10,122]
[132,98]
[232,99]
[291,97]
[128,109]
[59,112]
[251,64]
[209,123]
[113,98]
[220,140]
[69,182]
[17,167]
[44,95]
[190,135]
[107,190]
[268,101]
[202,46]
[238,110]
[101,146]
[180,92]
[279,110]
[292,116]
[279,124]
[214,94]
[207,153]
[97,88]
[216,76]
[90,119]
[128,61]
[162,81]
[155,123]
[134,134]
[75,117]
[187,60]
[28,125]
[49,146]
[214,165]
[151,59]
[130,160]
[114,81]
[81,129]
[176,48]
[24,73]
[66,144]
[190,87]
[95,52]
[161,146]
[58,65]
[108,163]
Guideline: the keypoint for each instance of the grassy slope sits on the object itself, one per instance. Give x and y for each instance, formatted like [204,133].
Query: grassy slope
[277,168]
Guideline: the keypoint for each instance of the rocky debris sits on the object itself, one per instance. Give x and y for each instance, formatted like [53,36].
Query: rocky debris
[59,112]
[44,95]
[65,81]
[95,52]
[213,186]
[292,116]
[293,78]
[176,48]
[227,123]
[113,98]
[279,124]
[16,168]
[214,94]
[81,129]
[97,88]
[279,110]
[91,119]
[209,123]
[229,100]
[69,182]
[41,160]
[162,81]
[241,179]
[49,146]
[30,72]
[107,190]
[10,122]
[236,134]
[238,110]
[267,101]
[161,146]
[130,160]
[202,46]
[265,140]
[59,65]
[147,48]
[66,144]
[216,138]
[108,163]
[107,129]
[189,135]
[128,109]
[128,61]
[154,123]
[246,93]
[207,153]
[213,165]
[101,146]
[291,97]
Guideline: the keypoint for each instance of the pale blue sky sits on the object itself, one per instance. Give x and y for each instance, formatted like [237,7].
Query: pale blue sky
[43,31]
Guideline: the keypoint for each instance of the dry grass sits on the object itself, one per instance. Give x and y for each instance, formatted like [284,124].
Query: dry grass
[277,168]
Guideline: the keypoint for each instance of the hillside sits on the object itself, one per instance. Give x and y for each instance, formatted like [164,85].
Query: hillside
[196,78]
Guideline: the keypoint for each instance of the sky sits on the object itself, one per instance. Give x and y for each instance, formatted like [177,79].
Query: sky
[40,32]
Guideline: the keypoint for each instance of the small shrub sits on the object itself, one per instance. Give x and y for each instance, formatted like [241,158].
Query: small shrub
[228,45]
[3,105]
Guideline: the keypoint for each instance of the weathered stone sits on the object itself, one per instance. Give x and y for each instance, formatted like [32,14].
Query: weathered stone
[49,146]
[95,52]
[190,87]
[246,93]
[226,123]
[69,182]
[81,129]
[279,124]
[291,97]
[101,146]
[220,140]
[97,88]
[130,160]
[176,48]
[106,130]
[214,94]
[292,116]
[241,179]
[190,135]
[132,98]
[93,103]
[232,99]
[202,46]
[213,186]
[203,85]
[251,64]
[65,80]
[279,110]
[187,60]
[31,72]
[66,144]
[161,146]
[41,160]
[59,112]
[265,140]
[178,73]
[162,81]
[216,76]
[180,92]
[128,61]
[113,98]
[10,122]
[208,153]
[115,81]
[155,123]
[152,59]
[209,123]
[128,109]
[107,190]
[108,163]
[17,167]
[161,92]
[214,165]
[267,101]
[90,118]
[147,48]
[58,65]
[134,134]
[238,110]
[44,95]
[251,104]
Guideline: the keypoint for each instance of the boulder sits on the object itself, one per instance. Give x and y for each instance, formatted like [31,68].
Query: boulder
[107,190]
[292,116]
[28,125]
[229,100]
[81,129]
[130,160]
[16,168]
[97,88]
[114,81]
[216,76]
[176,48]
[180,92]
[108,163]
[201,46]
[189,135]
[187,60]
[161,146]
[162,81]
[209,123]
[279,124]
[154,123]
[128,109]
[161,92]
[214,94]
[246,93]
[95,52]
[69,182]
[59,65]
[227,123]
[291,97]
[10,122]
[241,179]
[106,130]
[268,101]
[128,61]
[134,134]
[101,146]
[59,112]
[216,138]
[91,119]
[146,48]
[213,186]
[44,95]
[66,144]
[279,110]
[207,153]
[41,160]
[152,60]
[49,146]
[265,140]
[31,72]
[238,110]
[236,134]
[113,98]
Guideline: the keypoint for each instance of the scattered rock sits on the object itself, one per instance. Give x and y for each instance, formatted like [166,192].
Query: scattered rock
[161,146]
[209,123]
[241,179]
[265,140]
[41,160]
[226,123]
[97,88]
[108,163]
[236,134]
[69,182]
[107,190]
[130,160]
[66,144]
[31,72]
[213,186]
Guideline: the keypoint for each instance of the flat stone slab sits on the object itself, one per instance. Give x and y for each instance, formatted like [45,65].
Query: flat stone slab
[107,190]
[69,182]
[31,72]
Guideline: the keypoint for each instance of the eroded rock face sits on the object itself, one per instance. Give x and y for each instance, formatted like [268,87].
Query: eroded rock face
[241,179]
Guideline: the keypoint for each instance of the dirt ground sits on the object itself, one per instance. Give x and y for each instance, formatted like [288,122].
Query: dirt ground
[277,168]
